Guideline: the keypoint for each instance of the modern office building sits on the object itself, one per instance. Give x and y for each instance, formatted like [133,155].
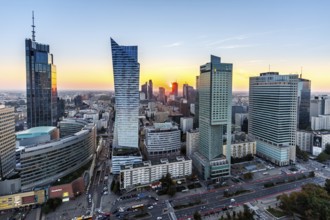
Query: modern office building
[144,89]
[196,110]
[304,140]
[162,140]
[317,106]
[150,95]
[161,95]
[239,118]
[41,84]
[304,98]
[215,97]
[126,71]
[273,116]
[7,141]
[70,126]
[175,89]
[322,122]
[44,163]
[192,142]
[186,123]
[145,173]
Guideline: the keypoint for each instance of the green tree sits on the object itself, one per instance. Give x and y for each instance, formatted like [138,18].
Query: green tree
[171,191]
[322,157]
[327,149]
[197,216]
[327,185]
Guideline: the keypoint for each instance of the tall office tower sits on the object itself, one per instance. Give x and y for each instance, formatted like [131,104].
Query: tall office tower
[7,141]
[41,85]
[161,95]
[185,91]
[175,89]
[304,97]
[319,106]
[191,94]
[273,116]
[150,90]
[126,71]
[215,95]
[196,116]
[144,89]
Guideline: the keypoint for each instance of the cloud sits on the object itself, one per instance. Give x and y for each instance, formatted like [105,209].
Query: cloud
[176,44]
[239,37]
[236,46]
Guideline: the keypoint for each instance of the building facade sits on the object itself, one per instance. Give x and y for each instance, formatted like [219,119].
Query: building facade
[145,173]
[320,141]
[175,88]
[215,97]
[304,99]
[45,163]
[123,157]
[126,71]
[162,140]
[241,149]
[7,141]
[192,141]
[186,123]
[304,140]
[273,116]
[321,122]
[41,85]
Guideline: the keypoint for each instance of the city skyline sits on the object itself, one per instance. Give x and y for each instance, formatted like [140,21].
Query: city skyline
[173,41]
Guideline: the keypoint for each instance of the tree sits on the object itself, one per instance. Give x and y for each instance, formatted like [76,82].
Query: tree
[322,157]
[171,191]
[248,176]
[247,214]
[327,149]
[197,216]
[327,185]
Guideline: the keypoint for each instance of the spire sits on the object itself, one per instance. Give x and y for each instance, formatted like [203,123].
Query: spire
[33,32]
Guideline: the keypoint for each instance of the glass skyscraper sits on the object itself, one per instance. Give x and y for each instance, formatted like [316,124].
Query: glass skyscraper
[126,71]
[273,116]
[215,95]
[41,85]
[304,101]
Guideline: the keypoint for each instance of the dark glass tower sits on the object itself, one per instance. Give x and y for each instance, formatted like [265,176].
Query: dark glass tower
[41,85]
[304,97]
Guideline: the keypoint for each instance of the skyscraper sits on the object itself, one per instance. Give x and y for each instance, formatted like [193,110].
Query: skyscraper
[144,89]
[126,71]
[161,95]
[41,84]
[175,89]
[304,100]
[185,91]
[215,95]
[7,141]
[273,116]
[150,90]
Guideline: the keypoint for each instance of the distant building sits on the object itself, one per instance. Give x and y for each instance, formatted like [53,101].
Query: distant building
[241,149]
[235,109]
[186,124]
[124,156]
[192,142]
[161,95]
[144,173]
[7,141]
[273,116]
[322,122]
[175,89]
[239,118]
[150,95]
[304,99]
[320,141]
[162,140]
[317,106]
[184,108]
[71,126]
[304,140]
[215,97]
[144,89]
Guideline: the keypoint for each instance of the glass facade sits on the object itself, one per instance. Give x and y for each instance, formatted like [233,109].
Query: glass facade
[126,71]
[41,85]
[304,97]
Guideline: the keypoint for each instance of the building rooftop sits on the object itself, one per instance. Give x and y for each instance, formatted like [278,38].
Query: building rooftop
[153,163]
[126,151]
[35,132]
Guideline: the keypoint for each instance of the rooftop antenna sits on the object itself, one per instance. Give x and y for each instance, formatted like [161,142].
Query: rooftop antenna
[33,26]
[301,70]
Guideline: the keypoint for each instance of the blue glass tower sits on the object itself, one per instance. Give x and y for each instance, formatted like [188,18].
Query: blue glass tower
[41,84]
[126,71]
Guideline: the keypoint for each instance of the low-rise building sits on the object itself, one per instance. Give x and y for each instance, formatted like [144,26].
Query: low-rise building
[320,141]
[146,172]
[122,156]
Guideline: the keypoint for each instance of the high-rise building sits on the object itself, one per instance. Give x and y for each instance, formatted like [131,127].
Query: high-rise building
[144,89]
[317,106]
[273,116]
[185,91]
[215,97]
[150,95]
[7,141]
[126,71]
[161,95]
[41,84]
[175,89]
[304,97]
[196,116]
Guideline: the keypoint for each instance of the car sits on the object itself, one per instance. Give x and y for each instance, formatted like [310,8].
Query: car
[150,207]
[159,218]
[105,193]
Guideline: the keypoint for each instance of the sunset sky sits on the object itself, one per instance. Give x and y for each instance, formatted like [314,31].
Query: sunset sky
[174,38]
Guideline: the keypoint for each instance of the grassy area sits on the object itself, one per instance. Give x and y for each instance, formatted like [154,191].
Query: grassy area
[238,192]
[74,175]
[276,212]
